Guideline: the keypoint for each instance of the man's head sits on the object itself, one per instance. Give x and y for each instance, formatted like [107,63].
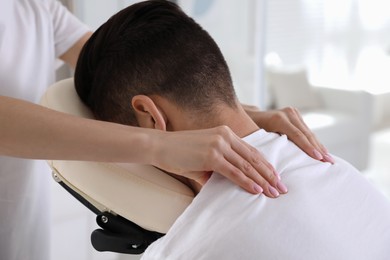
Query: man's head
[151,60]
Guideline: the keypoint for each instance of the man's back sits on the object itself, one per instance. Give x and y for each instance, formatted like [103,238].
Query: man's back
[330,212]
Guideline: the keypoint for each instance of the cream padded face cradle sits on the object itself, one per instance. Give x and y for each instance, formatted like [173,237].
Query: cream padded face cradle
[140,193]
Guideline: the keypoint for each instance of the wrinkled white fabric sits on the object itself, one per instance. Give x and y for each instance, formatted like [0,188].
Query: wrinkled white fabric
[33,33]
[330,212]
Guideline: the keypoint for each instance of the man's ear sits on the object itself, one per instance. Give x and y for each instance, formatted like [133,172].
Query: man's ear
[147,113]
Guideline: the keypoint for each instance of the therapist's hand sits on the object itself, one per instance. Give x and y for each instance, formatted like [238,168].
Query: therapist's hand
[289,121]
[195,154]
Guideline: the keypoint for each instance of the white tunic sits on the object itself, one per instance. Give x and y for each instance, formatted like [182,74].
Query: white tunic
[33,33]
[330,212]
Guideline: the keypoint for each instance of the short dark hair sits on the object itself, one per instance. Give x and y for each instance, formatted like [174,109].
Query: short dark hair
[151,48]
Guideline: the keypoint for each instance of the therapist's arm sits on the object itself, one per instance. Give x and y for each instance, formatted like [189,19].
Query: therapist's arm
[35,132]
[71,55]
[289,121]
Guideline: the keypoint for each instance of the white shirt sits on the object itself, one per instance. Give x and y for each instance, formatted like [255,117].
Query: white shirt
[33,33]
[330,212]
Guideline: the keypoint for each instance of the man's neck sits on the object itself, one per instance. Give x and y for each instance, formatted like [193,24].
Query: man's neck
[234,117]
[179,119]
[239,121]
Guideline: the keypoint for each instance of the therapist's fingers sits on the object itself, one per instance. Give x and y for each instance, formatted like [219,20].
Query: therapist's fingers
[289,121]
[244,165]
[303,137]
[259,173]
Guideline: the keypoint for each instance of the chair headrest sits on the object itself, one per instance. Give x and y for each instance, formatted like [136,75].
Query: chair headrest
[140,193]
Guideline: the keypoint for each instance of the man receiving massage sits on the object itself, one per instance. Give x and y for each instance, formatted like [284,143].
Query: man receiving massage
[152,66]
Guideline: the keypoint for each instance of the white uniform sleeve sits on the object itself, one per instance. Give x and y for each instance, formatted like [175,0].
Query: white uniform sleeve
[66,27]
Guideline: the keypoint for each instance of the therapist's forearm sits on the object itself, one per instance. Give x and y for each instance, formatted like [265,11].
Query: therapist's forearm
[35,132]
[31,131]
[71,56]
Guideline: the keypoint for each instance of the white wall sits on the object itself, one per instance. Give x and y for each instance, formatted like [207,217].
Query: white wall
[344,43]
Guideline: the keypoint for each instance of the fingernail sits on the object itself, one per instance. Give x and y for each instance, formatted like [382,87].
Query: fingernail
[281,187]
[273,191]
[257,188]
[317,155]
[329,158]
